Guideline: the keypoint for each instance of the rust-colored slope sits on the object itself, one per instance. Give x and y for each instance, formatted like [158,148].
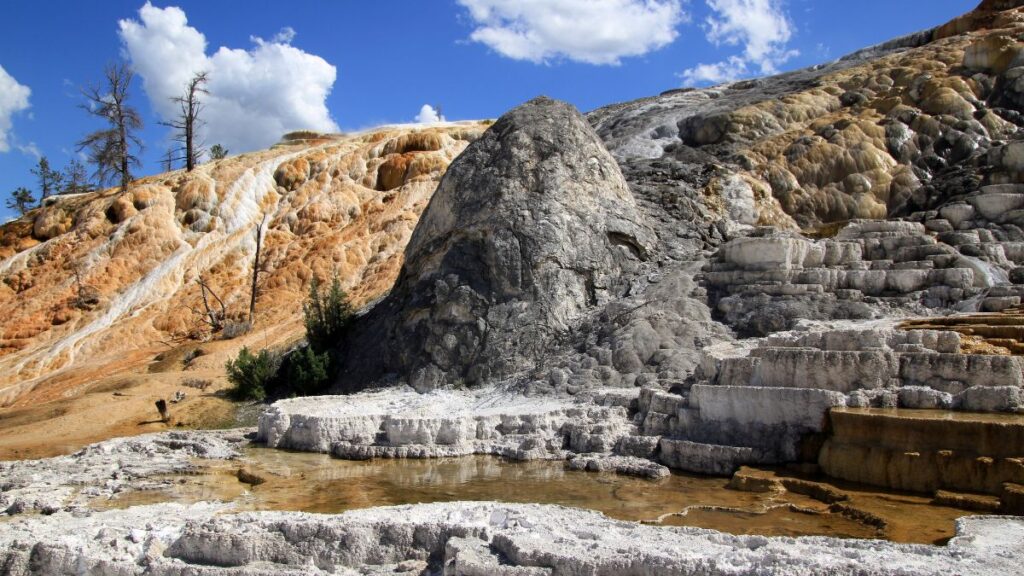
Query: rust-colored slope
[93,287]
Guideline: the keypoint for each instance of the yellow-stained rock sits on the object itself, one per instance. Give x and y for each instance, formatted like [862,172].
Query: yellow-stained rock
[138,253]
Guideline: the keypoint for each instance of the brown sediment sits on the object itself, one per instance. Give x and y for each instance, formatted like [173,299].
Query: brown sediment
[114,406]
[783,520]
[792,506]
[926,450]
[977,502]
[994,333]
[894,515]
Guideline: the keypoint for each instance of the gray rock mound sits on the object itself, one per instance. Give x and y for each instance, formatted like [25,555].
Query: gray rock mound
[532,228]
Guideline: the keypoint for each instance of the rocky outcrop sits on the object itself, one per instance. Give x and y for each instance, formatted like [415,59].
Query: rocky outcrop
[875,364]
[719,287]
[464,539]
[765,282]
[596,432]
[532,228]
[108,468]
[888,130]
[767,401]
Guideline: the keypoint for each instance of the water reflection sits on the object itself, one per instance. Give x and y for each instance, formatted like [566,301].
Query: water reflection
[318,483]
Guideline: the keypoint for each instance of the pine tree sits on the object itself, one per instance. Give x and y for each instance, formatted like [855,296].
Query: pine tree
[21,200]
[326,315]
[218,152]
[110,150]
[75,179]
[49,179]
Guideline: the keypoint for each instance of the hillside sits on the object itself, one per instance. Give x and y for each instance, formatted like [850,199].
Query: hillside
[99,291]
[801,297]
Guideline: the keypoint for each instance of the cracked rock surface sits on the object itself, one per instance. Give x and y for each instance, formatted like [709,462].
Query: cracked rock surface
[108,468]
[463,538]
[531,227]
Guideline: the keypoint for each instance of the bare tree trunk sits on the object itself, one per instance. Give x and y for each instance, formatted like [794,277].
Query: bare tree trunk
[256,270]
[188,120]
[190,155]
[123,136]
[216,321]
[78,284]
[122,129]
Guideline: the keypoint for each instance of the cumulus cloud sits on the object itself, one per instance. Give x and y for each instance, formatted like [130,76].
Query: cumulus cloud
[13,99]
[760,27]
[429,115]
[255,94]
[590,31]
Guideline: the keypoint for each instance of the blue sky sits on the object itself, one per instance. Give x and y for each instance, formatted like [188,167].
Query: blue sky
[354,64]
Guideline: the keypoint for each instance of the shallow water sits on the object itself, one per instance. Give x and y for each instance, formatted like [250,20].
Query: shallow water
[308,482]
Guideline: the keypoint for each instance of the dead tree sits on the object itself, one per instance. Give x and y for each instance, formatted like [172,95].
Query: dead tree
[110,149]
[187,121]
[209,315]
[256,271]
[87,297]
[167,162]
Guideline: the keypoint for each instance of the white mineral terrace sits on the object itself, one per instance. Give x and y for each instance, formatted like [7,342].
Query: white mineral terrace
[465,538]
[403,423]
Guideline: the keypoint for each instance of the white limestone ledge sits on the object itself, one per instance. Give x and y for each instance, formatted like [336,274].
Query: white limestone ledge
[873,363]
[108,468]
[402,423]
[466,538]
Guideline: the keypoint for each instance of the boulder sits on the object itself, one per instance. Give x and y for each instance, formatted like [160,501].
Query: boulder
[531,229]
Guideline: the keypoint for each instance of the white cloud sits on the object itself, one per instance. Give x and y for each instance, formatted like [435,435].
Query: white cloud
[285,36]
[591,31]
[256,94]
[761,27]
[429,115]
[13,98]
[29,149]
[725,71]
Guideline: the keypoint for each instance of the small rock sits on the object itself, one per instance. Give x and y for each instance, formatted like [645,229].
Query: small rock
[248,477]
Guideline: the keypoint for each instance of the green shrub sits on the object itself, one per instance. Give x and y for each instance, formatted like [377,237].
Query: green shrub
[308,371]
[326,315]
[251,374]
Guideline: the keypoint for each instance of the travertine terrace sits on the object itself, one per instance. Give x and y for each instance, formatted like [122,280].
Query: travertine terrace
[815,275]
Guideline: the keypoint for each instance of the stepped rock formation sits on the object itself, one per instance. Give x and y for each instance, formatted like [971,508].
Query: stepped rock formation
[531,229]
[785,271]
[795,219]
